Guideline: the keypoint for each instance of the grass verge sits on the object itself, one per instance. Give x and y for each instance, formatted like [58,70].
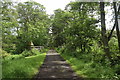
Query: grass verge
[23,67]
[89,69]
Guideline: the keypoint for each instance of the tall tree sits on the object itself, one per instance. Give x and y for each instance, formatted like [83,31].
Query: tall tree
[77,26]
[82,26]
[116,22]
[33,23]
[9,24]
[103,31]
[60,21]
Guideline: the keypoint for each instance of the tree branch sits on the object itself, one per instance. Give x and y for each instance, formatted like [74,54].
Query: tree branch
[110,35]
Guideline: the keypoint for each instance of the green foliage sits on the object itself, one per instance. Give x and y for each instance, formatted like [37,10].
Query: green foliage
[35,51]
[22,68]
[44,50]
[7,56]
[32,52]
[74,33]
[26,53]
[21,24]
[4,53]
[12,57]
[82,45]
[60,20]
[90,69]
[34,23]
[8,22]
[113,44]
[74,28]
[93,64]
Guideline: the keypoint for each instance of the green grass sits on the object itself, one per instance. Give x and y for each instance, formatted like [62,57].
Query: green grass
[22,67]
[0,68]
[89,69]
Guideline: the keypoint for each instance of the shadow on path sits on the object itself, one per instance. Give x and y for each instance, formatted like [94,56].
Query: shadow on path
[55,68]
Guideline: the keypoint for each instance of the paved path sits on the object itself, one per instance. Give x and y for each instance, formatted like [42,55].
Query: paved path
[55,68]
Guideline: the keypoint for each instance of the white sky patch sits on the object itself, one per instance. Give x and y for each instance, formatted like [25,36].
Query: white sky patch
[50,5]
[108,17]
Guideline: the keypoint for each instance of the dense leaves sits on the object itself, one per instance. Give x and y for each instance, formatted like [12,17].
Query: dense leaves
[23,23]
[78,32]
[83,40]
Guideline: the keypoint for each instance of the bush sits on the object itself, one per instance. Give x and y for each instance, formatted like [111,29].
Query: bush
[113,44]
[26,53]
[32,52]
[22,68]
[43,50]
[4,54]
[12,57]
[35,51]
[90,69]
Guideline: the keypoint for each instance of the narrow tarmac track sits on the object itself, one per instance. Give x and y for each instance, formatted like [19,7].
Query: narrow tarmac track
[55,68]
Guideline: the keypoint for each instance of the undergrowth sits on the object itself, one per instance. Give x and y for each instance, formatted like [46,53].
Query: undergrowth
[22,67]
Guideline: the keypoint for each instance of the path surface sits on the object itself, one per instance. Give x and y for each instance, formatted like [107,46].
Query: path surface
[55,67]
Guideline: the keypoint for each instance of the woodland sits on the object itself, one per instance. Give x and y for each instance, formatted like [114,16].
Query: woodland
[78,33]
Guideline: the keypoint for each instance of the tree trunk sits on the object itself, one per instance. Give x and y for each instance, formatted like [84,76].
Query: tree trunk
[116,22]
[103,32]
[110,36]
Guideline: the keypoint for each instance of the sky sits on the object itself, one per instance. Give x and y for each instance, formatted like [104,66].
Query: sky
[50,5]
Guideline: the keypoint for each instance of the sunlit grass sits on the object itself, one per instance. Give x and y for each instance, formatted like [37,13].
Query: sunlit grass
[23,67]
[89,69]
[0,69]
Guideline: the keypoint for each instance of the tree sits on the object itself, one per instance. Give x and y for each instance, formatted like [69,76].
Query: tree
[23,23]
[60,21]
[9,24]
[103,31]
[33,24]
[116,23]
[75,26]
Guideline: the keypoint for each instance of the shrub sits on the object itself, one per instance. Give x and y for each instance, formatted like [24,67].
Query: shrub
[90,69]
[11,57]
[22,68]
[35,51]
[43,50]
[113,44]
[26,53]
[4,54]
[32,52]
